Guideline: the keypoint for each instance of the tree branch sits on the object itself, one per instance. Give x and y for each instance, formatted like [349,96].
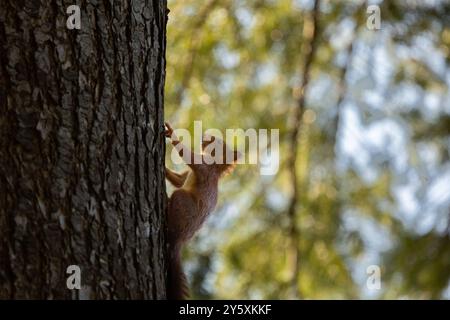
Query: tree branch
[310,33]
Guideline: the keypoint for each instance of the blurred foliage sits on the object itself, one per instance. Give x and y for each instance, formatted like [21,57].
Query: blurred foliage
[374,190]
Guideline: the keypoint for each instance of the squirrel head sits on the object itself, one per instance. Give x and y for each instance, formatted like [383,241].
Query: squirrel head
[216,148]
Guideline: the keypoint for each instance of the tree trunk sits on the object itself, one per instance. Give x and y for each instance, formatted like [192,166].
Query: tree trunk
[82,149]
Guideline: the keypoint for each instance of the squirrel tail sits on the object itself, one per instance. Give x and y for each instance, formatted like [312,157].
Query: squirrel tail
[177,288]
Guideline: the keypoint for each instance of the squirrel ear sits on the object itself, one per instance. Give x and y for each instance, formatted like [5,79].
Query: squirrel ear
[236,155]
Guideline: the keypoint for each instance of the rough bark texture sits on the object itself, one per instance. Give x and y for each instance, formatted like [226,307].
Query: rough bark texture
[82,149]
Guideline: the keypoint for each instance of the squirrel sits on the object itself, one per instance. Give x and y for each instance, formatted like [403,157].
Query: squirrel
[193,200]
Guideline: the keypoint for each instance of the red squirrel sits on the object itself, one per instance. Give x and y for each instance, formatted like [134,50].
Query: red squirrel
[193,200]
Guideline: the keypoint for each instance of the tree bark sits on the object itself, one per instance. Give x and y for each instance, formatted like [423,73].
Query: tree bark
[82,149]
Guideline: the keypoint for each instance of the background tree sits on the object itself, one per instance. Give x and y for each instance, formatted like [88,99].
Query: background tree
[372,158]
[82,150]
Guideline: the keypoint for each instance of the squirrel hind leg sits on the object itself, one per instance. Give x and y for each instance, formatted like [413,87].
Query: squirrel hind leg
[177,288]
[182,210]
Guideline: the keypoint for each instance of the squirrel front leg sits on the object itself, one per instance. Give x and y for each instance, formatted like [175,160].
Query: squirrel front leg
[185,152]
